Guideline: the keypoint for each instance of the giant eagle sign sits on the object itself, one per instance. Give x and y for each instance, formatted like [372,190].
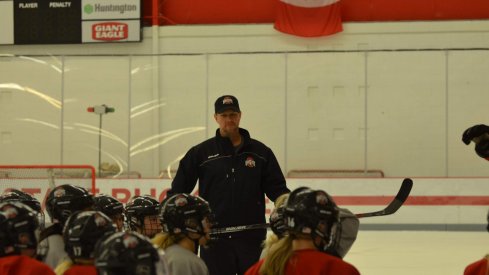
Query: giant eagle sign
[69,21]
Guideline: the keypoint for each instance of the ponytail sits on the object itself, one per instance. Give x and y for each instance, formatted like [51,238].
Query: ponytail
[164,240]
[277,258]
[62,267]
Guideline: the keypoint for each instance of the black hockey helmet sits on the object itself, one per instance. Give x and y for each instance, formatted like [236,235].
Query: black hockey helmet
[126,253]
[82,230]
[312,212]
[19,228]
[109,205]
[27,199]
[66,199]
[185,213]
[139,207]
[23,197]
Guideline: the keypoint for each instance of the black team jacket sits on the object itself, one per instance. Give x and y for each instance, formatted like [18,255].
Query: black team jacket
[233,182]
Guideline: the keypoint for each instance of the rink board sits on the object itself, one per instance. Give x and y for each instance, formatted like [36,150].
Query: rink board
[434,203]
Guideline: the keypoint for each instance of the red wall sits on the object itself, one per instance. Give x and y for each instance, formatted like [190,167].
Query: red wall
[176,12]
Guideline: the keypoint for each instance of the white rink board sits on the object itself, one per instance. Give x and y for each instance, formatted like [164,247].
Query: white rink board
[123,189]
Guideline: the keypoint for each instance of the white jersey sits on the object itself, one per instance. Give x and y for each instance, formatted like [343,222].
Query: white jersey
[54,253]
[183,261]
[162,265]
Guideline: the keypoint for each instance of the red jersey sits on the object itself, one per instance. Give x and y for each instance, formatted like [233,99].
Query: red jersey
[311,262]
[19,264]
[477,268]
[81,270]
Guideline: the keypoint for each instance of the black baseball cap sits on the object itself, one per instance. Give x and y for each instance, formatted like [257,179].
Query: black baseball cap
[226,102]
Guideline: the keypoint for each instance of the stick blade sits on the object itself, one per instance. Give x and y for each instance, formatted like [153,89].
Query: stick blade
[404,191]
[402,195]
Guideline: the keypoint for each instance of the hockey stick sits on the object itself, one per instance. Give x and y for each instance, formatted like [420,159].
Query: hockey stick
[402,195]
[394,205]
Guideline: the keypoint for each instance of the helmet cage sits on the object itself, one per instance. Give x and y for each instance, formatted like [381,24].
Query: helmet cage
[138,208]
[277,221]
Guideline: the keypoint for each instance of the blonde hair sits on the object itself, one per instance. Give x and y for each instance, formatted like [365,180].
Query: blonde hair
[62,267]
[277,257]
[269,242]
[272,238]
[67,263]
[281,200]
[164,240]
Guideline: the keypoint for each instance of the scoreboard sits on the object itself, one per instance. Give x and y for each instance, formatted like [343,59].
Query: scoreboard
[69,21]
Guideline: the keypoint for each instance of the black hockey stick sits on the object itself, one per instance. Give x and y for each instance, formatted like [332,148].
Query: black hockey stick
[394,205]
[402,195]
[238,228]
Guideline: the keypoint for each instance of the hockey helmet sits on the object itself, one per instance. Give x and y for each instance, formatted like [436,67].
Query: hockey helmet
[185,213]
[126,253]
[82,230]
[19,228]
[139,207]
[66,199]
[109,205]
[312,212]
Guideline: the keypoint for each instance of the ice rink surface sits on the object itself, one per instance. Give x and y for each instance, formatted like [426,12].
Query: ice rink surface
[417,252]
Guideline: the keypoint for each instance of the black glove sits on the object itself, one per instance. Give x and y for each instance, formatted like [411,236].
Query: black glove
[277,222]
[474,131]
[482,148]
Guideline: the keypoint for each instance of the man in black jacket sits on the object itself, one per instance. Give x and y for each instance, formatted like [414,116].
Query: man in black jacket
[234,173]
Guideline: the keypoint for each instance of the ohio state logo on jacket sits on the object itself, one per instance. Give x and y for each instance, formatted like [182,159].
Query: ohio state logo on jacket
[250,162]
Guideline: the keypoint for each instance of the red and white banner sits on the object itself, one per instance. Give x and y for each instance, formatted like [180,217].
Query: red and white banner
[308,18]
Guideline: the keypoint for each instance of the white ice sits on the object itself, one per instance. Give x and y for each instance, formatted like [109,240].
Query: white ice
[417,252]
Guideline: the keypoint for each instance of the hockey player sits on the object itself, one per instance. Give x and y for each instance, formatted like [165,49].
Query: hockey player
[142,213]
[480,267]
[81,232]
[186,221]
[346,232]
[27,199]
[18,240]
[312,219]
[111,207]
[479,134]
[61,202]
[129,253]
